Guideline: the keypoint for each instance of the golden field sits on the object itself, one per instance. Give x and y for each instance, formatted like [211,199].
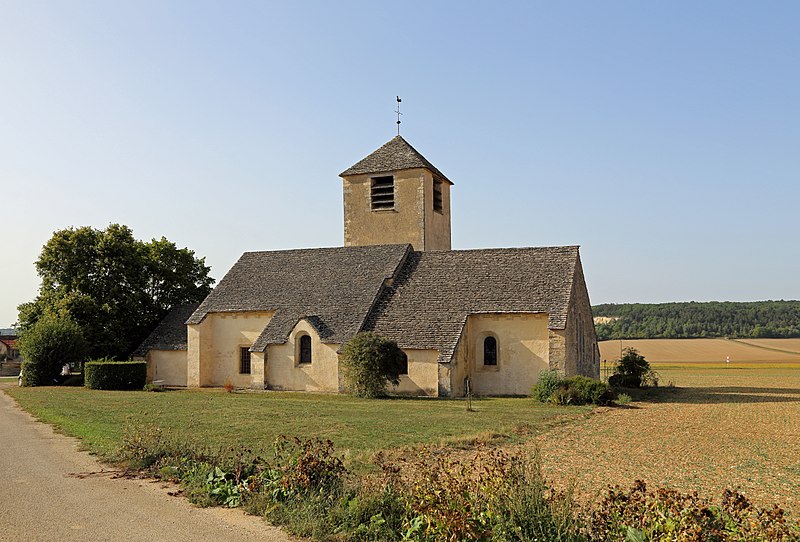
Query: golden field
[711,352]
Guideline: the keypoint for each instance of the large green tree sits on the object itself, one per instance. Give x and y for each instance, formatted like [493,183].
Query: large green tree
[115,287]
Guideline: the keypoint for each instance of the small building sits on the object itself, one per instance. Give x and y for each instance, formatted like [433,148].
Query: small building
[8,348]
[493,318]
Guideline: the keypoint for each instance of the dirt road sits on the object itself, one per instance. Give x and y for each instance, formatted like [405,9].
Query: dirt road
[51,491]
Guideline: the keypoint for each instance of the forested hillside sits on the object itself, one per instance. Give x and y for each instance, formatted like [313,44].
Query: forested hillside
[692,319]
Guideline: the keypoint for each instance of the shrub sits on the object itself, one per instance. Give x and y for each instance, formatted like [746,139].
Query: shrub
[369,362]
[633,371]
[115,375]
[576,390]
[47,346]
[306,465]
[549,381]
[585,390]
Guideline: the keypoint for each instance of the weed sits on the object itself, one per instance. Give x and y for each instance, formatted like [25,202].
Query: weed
[665,514]
[548,382]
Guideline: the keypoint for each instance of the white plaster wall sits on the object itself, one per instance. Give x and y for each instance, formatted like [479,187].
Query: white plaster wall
[283,372]
[523,351]
[167,365]
[423,374]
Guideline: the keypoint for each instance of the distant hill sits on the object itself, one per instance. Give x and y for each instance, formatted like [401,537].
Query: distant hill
[758,319]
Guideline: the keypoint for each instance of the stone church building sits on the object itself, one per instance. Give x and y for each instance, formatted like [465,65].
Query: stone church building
[492,317]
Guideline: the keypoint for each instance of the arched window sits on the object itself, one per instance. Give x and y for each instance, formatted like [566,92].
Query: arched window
[490,351]
[305,349]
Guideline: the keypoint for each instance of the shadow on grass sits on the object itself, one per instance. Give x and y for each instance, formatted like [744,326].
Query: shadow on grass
[715,395]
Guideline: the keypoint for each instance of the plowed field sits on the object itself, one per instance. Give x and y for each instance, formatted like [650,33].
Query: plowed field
[762,352]
[716,428]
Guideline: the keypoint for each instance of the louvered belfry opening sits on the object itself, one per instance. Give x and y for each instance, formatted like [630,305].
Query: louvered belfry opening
[382,194]
[437,195]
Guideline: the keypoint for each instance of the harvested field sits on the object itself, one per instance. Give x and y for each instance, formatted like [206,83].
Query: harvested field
[717,428]
[774,352]
[791,346]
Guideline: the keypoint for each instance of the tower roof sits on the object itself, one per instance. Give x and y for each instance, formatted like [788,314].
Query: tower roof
[395,155]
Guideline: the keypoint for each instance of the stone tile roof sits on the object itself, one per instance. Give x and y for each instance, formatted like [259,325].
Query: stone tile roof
[334,288]
[395,155]
[428,304]
[170,334]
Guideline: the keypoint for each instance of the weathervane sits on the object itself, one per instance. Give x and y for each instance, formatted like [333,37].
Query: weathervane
[398,114]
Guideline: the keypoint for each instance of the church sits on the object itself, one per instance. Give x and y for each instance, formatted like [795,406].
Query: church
[490,319]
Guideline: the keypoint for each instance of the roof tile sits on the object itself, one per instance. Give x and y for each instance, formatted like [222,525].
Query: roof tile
[395,155]
[427,306]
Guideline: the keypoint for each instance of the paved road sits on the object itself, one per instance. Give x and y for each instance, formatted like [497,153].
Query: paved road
[51,491]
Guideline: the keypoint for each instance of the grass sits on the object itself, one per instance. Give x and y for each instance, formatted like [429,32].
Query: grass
[358,427]
[8,378]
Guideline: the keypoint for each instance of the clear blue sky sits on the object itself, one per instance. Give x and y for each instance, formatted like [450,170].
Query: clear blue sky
[662,137]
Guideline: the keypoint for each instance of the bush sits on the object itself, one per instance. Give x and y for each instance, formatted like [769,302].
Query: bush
[548,382]
[576,390]
[369,362]
[633,371]
[115,375]
[587,390]
[47,346]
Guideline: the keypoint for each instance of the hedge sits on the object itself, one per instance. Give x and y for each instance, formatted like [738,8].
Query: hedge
[115,375]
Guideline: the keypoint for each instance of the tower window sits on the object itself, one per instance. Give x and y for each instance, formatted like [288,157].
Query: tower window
[305,349]
[244,360]
[437,195]
[382,193]
[490,351]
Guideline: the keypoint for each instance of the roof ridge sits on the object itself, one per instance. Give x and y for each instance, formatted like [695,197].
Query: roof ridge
[501,249]
[325,249]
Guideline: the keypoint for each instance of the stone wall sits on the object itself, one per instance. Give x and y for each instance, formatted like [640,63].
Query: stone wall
[412,220]
[582,353]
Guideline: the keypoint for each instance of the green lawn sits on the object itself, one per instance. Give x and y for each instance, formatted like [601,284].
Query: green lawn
[213,417]
[8,378]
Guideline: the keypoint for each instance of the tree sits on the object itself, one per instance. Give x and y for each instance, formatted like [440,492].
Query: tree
[47,345]
[632,371]
[115,287]
[369,362]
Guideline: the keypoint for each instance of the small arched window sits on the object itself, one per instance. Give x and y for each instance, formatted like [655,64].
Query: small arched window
[490,351]
[305,349]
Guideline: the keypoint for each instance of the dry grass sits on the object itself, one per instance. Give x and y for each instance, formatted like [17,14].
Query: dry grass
[748,351]
[717,428]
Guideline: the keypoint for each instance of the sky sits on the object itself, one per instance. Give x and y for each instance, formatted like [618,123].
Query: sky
[661,137]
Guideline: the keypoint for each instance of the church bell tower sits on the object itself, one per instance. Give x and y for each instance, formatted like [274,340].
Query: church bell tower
[395,196]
